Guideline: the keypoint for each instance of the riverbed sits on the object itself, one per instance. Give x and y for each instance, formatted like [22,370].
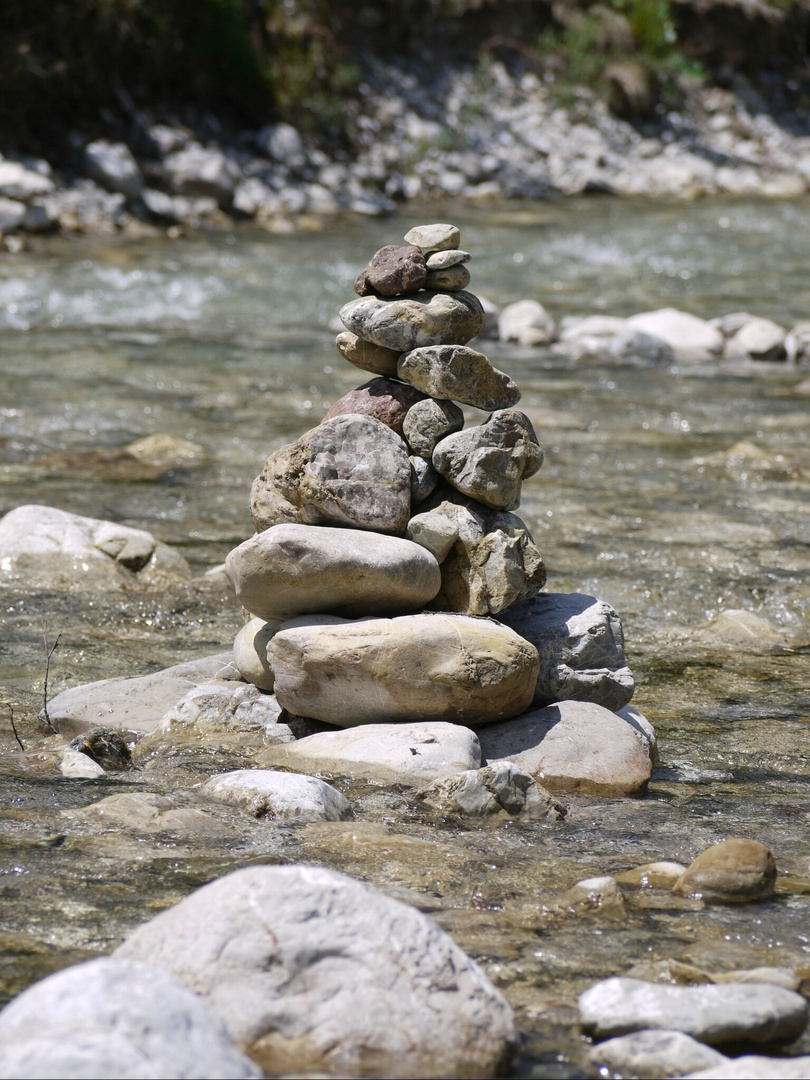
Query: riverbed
[224,340]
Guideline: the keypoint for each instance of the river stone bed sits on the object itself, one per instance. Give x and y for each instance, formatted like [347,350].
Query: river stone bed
[79,880]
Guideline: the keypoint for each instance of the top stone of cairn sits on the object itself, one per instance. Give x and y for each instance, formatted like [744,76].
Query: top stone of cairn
[434,237]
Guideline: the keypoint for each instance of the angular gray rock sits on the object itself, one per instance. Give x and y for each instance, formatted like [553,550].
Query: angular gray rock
[414,668]
[382,399]
[432,238]
[366,355]
[459,373]
[351,471]
[581,646]
[116,1020]
[290,570]
[113,166]
[490,461]
[392,270]
[710,1014]
[411,754]
[268,794]
[424,479]
[12,214]
[488,559]
[315,972]
[654,1054]
[429,318]
[573,746]
[501,788]
[428,422]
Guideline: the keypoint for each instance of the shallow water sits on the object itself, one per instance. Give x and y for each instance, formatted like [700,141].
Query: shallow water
[224,340]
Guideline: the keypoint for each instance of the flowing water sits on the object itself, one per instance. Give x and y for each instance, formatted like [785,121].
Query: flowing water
[224,340]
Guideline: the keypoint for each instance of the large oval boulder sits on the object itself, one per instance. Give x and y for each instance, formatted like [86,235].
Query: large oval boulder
[314,972]
[417,667]
[291,570]
[351,470]
[429,318]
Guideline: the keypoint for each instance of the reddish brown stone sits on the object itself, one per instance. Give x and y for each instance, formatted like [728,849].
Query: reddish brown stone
[392,270]
[382,399]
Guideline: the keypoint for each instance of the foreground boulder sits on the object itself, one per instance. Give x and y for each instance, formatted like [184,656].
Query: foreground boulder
[45,548]
[315,972]
[413,668]
[117,1019]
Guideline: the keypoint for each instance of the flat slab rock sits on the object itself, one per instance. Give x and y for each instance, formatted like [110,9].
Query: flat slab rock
[429,318]
[349,471]
[581,645]
[138,704]
[413,668]
[315,972]
[573,746]
[290,570]
[116,1018]
[412,754]
[710,1014]
[268,794]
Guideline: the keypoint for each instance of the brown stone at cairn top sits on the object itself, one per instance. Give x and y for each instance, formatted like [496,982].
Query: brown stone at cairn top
[394,269]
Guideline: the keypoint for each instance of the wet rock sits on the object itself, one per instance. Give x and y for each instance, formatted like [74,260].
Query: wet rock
[527,323]
[267,794]
[735,871]
[771,976]
[433,238]
[654,875]
[415,668]
[392,270]
[756,1067]
[424,479]
[199,170]
[428,421]
[366,355]
[291,570]
[442,260]
[592,326]
[250,652]
[149,814]
[116,1019]
[51,549]
[313,971]
[501,788]
[105,747]
[459,373]
[641,349]
[710,1014]
[689,337]
[411,754]
[132,705]
[448,279]
[654,1054]
[489,462]
[593,896]
[76,765]
[745,629]
[429,318]
[351,471]
[382,399]
[573,746]
[488,560]
[581,646]
[113,166]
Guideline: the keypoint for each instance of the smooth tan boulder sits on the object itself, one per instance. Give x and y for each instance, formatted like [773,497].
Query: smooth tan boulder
[291,570]
[415,668]
[735,871]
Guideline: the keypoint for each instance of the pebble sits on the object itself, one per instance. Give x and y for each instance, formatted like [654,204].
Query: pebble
[459,373]
[366,355]
[429,318]
[735,871]
[424,479]
[382,399]
[654,875]
[433,238]
[654,1054]
[268,794]
[441,260]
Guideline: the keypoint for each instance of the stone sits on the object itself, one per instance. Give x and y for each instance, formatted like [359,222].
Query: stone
[442,260]
[591,326]
[392,270]
[283,143]
[643,726]
[581,645]
[351,471]
[430,667]
[146,813]
[45,548]
[654,1054]
[199,170]
[489,462]
[527,323]
[12,214]
[428,421]
[771,976]
[488,559]
[267,794]
[119,1019]
[410,754]
[21,184]
[735,871]
[797,345]
[573,746]
[78,766]
[105,747]
[756,1067]
[744,629]
[592,896]
[641,349]
[382,399]
[459,373]
[366,355]
[291,570]
[134,705]
[710,1014]
[250,652]
[434,237]
[689,337]
[424,479]
[654,875]
[448,279]
[501,788]
[112,165]
[429,318]
[756,339]
[315,972]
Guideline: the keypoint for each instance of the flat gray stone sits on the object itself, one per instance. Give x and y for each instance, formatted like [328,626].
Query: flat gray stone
[350,471]
[489,462]
[441,260]
[581,645]
[116,1020]
[428,422]
[366,355]
[268,794]
[459,373]
[429,318]
[315,972]
[710,1014]
[654,1054]
[21,184]
[501,788]
[434,237]
[291,570]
